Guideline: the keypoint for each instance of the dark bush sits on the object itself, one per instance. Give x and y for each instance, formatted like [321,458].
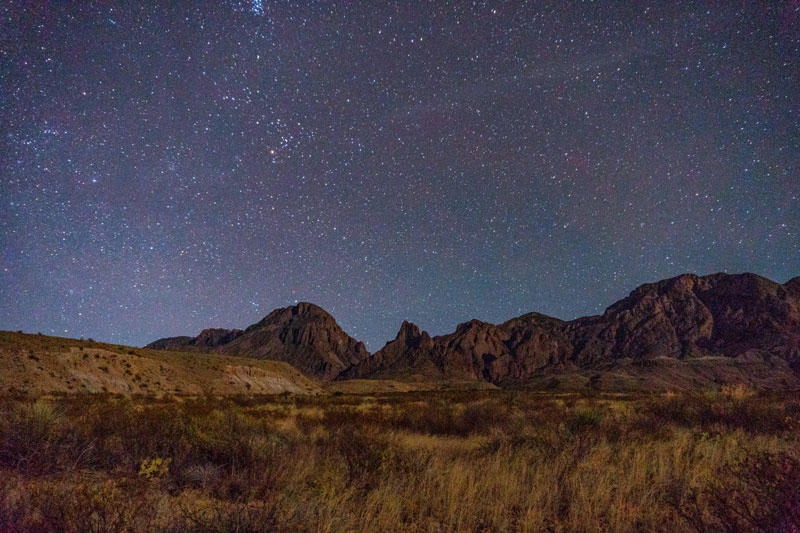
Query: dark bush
[761,493]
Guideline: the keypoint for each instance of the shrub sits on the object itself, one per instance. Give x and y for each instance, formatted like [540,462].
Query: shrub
[156,468]
[583,419]
[760,493]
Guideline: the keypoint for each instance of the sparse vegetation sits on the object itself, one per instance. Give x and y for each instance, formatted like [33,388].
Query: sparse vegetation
[61,365]
[416,461]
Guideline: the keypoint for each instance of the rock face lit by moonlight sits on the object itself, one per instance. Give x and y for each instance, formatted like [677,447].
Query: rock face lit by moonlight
[743,318]
[304,335]
[736,316]
[208,339]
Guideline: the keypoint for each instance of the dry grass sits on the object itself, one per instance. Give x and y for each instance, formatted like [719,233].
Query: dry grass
[417,461]
[38,365]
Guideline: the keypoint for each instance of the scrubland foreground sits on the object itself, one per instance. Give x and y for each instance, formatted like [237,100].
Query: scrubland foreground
[441,461]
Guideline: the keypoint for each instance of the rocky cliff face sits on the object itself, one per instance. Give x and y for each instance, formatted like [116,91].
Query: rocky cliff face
[408,354]
[304,335]
[741,317]
[205,342]
[736,316]
[688,316]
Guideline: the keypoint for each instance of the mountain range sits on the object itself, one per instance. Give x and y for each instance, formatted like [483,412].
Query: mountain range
[684,331]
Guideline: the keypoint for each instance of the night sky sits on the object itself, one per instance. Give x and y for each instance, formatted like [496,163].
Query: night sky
[171,168]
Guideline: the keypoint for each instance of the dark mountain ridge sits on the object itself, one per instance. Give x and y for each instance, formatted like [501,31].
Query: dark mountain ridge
[736,317]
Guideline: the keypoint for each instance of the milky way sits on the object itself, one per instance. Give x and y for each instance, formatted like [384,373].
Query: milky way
[171,168]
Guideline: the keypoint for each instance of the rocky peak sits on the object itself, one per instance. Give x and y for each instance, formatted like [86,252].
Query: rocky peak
[472,324]
[408,330]
[401,355]
[477,331]
[410,336]
[206,341]
[304,335]
[672,288]
[213,337]
[303,311]
[529,320]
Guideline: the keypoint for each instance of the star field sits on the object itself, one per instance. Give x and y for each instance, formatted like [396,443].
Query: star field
[167,168]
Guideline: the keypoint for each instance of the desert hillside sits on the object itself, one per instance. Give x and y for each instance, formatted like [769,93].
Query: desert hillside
[40,364]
